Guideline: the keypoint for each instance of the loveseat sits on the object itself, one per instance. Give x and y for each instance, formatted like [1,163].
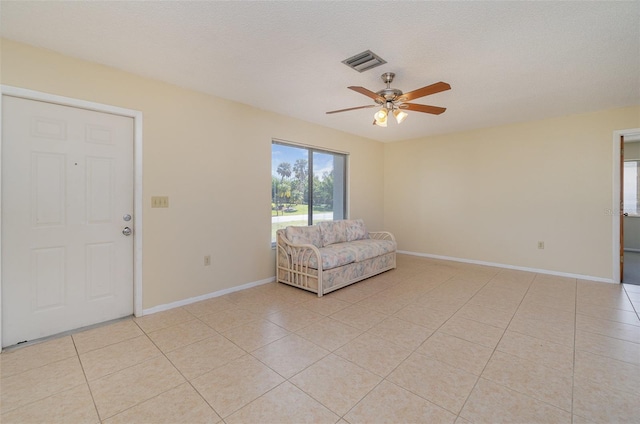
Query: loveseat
[332,254]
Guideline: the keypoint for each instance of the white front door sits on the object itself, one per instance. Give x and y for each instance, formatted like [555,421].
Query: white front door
[67,195]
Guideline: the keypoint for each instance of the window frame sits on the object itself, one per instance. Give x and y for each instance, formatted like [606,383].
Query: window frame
[310,153]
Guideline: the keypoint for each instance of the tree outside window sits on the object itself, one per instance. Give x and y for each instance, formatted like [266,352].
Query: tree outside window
[307,186]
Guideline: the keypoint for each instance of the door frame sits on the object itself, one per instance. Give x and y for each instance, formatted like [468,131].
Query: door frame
[615,211]
[137,175]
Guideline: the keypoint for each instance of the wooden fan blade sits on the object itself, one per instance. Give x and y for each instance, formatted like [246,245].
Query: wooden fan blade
[425,91]
[352,108]
[368,93]
[423,108]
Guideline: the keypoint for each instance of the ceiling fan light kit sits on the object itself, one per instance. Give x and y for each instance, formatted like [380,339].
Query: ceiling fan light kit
[393,100]
[400,115]
[380,118]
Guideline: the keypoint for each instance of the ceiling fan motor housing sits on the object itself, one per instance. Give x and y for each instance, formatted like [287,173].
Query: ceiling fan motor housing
[388,94]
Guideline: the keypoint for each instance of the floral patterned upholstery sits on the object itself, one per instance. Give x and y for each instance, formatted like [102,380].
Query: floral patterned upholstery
[341,253]
[356,230]
[337,277]
[333,232]
[334,256]
[367,249]
[304,235]
[340,231]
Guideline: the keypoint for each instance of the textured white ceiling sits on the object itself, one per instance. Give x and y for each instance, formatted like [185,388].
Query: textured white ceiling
[506,61]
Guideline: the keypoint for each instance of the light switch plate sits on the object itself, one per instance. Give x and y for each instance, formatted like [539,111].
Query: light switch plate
[160,201]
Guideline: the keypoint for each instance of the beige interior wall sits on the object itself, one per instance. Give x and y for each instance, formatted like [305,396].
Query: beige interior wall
[212,157]
[490,195]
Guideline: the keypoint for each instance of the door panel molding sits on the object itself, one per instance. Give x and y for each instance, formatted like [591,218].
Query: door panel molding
[23,93]
[615,208]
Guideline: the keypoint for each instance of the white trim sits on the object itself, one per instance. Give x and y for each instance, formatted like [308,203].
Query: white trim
[189,301]
[307,146]
[6,90]
[519,268]
[615,208]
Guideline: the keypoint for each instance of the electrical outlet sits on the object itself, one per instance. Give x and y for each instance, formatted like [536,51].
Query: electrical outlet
[207,260]
[540,245]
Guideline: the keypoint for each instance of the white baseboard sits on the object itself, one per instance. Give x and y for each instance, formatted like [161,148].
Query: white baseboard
[218,293]
[518,268]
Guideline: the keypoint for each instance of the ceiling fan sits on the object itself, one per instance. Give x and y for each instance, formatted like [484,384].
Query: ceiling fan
[392,100]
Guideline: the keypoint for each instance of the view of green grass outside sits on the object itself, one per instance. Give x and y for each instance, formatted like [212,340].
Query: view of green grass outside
[297,215]
[297,210]
[300,212]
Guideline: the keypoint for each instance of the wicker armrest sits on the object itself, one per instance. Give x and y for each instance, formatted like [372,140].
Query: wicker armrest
[293,264]
[381,235]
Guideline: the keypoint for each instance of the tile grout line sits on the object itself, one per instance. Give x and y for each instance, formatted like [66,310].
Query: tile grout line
[285,379]
[95,406]
[383,378]
[575,350]
[526,394]
[359,366]
[15,348]
[607,319]
[636,310]
[178,370]
[131,366]
[498,343]
[249,353]
[415,351]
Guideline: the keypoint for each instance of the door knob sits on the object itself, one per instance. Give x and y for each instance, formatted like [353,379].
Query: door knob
[127,231]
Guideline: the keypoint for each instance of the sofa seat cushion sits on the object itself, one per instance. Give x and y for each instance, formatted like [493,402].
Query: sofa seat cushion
[339,254]
[333,256]
[370,248]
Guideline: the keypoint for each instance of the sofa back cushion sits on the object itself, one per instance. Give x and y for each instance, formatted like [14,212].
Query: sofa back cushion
[356,230]
[304,235]
[341,231]
[333,232]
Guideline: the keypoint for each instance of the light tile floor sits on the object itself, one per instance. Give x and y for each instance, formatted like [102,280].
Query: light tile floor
[430,342]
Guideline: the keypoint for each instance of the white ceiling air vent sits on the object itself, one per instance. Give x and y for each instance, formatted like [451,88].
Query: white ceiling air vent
[364,61]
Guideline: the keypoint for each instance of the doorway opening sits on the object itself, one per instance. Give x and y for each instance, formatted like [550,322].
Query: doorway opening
[626,211]
[630,220]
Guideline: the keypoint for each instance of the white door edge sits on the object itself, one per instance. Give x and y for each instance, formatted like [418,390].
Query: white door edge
[615,208]
[6,90]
